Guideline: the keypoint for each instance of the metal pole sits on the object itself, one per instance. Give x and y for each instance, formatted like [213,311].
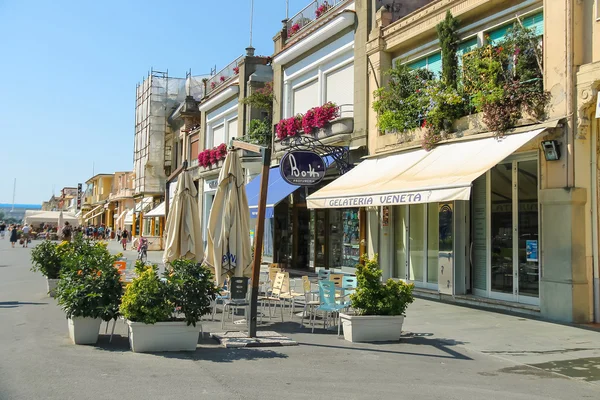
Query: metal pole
[258,239]
[251,18]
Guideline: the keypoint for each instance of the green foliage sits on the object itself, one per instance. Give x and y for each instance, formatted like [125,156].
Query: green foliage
[506,79]
[146,299]
[186,288]
[448,37]
[372,297]
[90,285]
[46,258]
[262,98]
[259,131]
[401,105]
[191,289]
[446,104]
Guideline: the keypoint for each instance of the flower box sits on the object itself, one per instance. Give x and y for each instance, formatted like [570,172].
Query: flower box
[339,126]
[372,328]
[162,336]
[84,330]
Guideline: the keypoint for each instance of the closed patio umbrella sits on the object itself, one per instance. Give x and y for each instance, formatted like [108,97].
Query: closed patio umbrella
[228,249]
[184,234]
[60,222]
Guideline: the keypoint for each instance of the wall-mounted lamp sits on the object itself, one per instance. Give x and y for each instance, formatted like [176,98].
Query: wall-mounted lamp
[551,150]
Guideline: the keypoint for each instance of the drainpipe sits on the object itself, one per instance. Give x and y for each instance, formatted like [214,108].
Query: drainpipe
[596,271]
[570,105]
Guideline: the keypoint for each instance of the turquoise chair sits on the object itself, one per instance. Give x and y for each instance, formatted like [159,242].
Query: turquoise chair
[349,284]
[328,303]
[324,274]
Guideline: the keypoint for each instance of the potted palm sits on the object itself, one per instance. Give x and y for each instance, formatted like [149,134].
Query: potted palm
[162,314]
[378,308]
[89,290]
[46,258]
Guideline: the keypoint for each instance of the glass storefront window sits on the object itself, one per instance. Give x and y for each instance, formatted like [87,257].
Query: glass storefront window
[416,241]
[501,228]
[528,228]
[433,247]
[400,218]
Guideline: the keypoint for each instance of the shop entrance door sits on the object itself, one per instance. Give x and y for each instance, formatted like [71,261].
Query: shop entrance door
[514,222]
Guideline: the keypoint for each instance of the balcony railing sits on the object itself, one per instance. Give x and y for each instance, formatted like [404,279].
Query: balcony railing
[315,10]
[224,75]
[121,193]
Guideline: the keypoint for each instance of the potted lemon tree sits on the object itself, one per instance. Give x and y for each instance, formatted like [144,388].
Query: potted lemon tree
[46,258]
[163,313]
[89,290]
[378,308]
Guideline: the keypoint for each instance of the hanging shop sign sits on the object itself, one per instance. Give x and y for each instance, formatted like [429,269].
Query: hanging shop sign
[302,168]
[79,194]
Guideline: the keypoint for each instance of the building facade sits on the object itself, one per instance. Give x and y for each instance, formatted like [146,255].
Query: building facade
[120,200]
[95,203]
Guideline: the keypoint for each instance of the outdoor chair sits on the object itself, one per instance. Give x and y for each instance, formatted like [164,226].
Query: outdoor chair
[328,304]
[349,284]
[324,274]
[309,302]
[220,298]
[278,294]
[238,298]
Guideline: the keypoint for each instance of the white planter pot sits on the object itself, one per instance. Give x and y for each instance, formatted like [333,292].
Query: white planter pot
[84,330]
[162,336]
[51,284]
[372,328]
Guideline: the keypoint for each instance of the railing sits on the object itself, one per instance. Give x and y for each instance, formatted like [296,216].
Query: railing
[121,193]
[309,14]
[223,75]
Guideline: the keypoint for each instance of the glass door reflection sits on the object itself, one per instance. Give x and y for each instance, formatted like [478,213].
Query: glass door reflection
[528,262]
[501,228]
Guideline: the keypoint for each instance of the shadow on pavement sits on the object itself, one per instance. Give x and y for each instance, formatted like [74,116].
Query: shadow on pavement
[13,304]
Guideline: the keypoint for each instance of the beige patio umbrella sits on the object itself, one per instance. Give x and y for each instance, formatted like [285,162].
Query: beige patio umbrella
[228,249]
[60,222]
[184,234]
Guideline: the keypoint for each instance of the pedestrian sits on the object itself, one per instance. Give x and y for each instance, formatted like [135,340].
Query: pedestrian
[124,235]
[95,234]
[26,230]
[2,229]
[67,232]
[101,232]
[119,235]
[13,235]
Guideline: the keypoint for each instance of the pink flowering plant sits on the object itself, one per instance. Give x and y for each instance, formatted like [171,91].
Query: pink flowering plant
[236,70]
[315,118]
[222,78]
[322,9]
[210,157]
[213,85]
[293,29]
[289,127]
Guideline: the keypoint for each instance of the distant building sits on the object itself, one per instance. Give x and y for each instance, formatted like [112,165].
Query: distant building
[17,212]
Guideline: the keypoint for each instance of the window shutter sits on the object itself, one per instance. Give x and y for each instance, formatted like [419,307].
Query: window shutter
[340,86]
[306,97]
[232,128]
[464,48]
[218,136]
[535,22]
[422,63]
[434,64]
[498,34]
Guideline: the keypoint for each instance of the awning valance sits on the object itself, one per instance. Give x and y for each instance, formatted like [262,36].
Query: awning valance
[442,174]
[159,211]
[278,190]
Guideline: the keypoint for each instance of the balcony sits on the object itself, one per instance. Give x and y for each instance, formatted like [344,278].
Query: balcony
[309,14]
[223,76]
[120,194]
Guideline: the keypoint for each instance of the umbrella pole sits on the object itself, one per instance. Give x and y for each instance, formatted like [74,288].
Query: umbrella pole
[258,239]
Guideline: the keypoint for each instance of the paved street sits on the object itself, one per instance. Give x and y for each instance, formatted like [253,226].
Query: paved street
[447,352]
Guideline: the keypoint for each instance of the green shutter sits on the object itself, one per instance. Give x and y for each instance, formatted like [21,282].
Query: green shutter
[422,63]
[465,47]
[535,22]
[498,34]
[434,64]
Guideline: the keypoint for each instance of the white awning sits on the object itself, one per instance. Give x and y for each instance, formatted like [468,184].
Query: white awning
[442,174]
[120,217]
[95,215]
[129,218]
[144,204]
[92,211]
[159,211]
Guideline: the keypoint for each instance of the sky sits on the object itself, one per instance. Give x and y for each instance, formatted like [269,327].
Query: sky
[69,71]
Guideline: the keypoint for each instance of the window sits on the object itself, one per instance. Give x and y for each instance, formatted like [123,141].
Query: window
[464,48]
[339,85]
[232,129]
[432,63]
[218,135]
[194,142]
[535,22]
[305,97]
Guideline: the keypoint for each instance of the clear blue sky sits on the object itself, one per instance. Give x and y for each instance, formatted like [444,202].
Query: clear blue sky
[69,70]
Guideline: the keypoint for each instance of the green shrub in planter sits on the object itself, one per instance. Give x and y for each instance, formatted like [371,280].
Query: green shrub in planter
[90,285]
[187,288]
[373,297]
[46,258]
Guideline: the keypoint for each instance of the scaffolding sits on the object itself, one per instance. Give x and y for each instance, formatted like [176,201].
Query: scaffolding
[155,99]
